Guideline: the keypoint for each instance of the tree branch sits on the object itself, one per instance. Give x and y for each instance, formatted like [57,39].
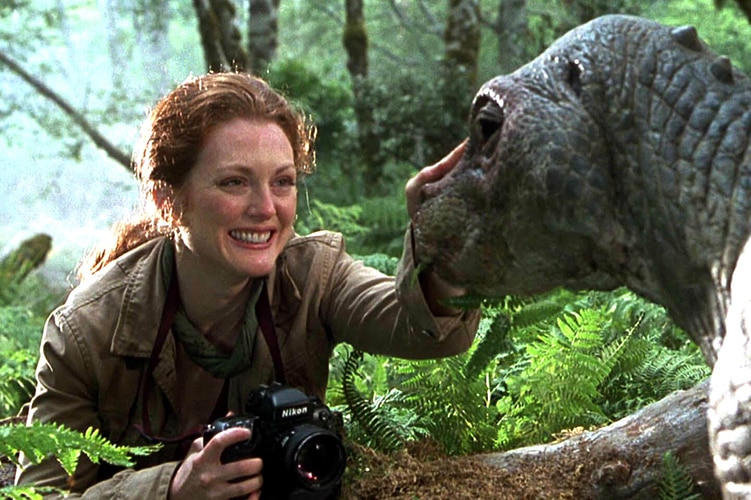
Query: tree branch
[102,142]
[434,26]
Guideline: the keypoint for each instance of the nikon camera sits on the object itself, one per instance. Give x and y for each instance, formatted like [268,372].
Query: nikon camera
[297,437]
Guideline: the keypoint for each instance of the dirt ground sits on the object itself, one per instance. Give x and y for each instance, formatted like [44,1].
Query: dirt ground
[422,472]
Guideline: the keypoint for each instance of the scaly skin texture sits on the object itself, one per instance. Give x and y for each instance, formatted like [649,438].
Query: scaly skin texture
[619,157]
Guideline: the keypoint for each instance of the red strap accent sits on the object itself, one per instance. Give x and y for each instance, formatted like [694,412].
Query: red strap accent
[266,321]
[168,314]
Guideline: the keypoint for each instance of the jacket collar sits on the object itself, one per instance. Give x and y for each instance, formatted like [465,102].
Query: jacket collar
[139,319]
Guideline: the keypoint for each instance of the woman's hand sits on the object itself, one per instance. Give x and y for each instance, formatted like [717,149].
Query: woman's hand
[430,174]
[434,288]
[202,475]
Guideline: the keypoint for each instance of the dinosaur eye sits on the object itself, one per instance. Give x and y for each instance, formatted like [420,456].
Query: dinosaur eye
[488,120]
[573,77]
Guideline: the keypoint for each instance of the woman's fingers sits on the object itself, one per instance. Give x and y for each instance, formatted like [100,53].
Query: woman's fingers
[432,173]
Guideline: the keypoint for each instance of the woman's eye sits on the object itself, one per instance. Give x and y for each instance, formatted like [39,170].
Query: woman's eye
[233,182]
[286,181]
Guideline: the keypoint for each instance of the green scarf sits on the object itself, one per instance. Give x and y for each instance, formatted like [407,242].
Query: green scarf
[199,349]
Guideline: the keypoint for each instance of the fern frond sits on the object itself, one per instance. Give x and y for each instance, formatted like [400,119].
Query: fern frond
[667,371]
[676,483]
[26,492]
[560,385]
[37,441]
[494,341]
[366,415]
[526,313]
[387,213]
[331,217]
[452,405]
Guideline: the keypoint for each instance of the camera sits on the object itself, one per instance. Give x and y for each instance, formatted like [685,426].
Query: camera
[296,436]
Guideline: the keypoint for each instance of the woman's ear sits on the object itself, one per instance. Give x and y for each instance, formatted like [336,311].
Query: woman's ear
[165,202]
[159,197]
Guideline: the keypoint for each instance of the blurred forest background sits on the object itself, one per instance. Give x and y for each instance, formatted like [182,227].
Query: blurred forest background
[389,84]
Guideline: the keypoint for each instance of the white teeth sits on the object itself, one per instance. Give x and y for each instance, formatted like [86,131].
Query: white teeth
[250,237]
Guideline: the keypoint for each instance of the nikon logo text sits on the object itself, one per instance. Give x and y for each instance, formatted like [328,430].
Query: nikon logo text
[294,412]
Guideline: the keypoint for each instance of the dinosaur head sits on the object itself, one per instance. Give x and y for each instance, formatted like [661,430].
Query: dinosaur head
[614,158]
[530,205]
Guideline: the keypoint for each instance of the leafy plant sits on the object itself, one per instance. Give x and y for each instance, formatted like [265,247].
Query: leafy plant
[373,226]
[433,399]
[453,406]
[319,215]
[16,376]
[676,483]
[559,386]
[25,301]
[378,430]
[565,359]
[384,263]
[39,441]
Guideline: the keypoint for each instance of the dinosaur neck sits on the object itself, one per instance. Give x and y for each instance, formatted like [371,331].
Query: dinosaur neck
[685,179]
[696,296]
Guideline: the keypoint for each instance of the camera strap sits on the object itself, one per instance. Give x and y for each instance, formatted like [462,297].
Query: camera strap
[168,315]
[266,321]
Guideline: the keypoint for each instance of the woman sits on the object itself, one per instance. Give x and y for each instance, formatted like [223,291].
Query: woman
[161,335]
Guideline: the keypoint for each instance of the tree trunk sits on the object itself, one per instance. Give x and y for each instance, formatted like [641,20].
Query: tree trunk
[263,34]
[745,6]
[355,41]
[461,54]
[119,53]
[462,39]
[511,31]
[220,37]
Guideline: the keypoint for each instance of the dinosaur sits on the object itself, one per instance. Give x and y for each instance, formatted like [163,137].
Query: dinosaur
[618,157]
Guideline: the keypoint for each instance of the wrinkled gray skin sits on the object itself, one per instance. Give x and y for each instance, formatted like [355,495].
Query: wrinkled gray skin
[620,156]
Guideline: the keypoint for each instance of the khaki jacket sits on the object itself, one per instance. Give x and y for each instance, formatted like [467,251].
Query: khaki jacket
[96,346]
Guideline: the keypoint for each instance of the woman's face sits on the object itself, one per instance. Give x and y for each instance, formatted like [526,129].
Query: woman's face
[239,200]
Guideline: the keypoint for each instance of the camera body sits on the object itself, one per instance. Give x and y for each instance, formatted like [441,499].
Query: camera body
[296,436]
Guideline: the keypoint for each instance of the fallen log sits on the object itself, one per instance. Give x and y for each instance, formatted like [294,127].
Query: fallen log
[621,461]
[625,459]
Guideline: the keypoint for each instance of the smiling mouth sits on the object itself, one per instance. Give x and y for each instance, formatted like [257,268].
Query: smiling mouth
[251,236]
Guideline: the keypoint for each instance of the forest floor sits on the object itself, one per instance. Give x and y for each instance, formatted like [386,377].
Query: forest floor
[422,472]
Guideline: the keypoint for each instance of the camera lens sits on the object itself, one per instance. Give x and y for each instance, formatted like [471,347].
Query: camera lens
[318,459]
[317,456]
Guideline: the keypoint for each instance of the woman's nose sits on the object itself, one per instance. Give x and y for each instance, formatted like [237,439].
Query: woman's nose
[261,203]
